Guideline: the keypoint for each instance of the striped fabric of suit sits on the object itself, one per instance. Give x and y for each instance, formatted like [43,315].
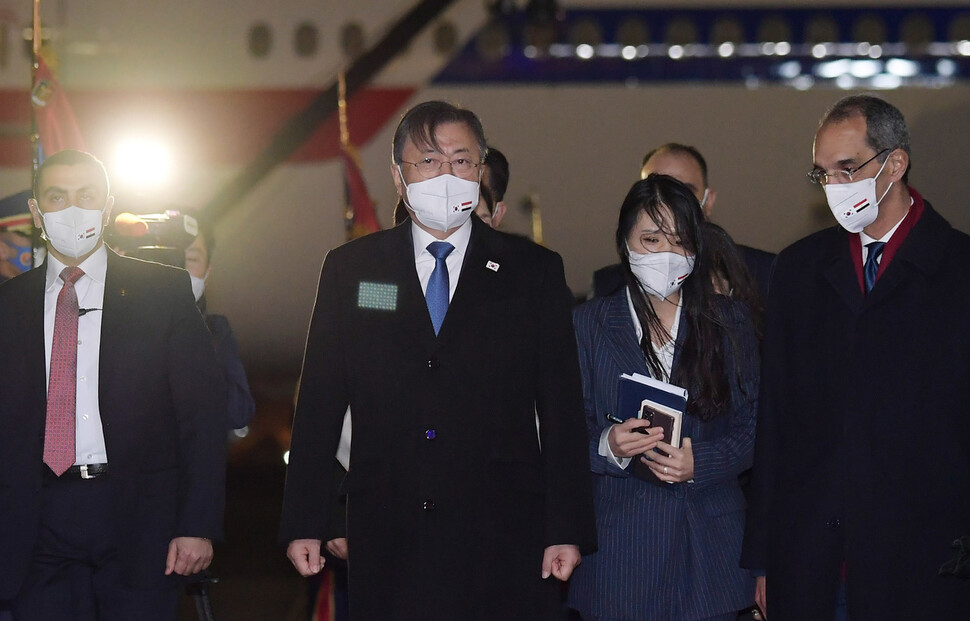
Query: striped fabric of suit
[665,551]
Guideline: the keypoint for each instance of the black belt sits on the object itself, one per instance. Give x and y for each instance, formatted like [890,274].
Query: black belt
[84,471]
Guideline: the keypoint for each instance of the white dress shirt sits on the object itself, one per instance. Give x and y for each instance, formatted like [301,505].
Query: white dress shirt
[424,261]
[89,436]
[866,240]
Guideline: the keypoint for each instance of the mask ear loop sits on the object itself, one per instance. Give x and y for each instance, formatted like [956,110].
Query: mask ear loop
[404,197]
[879,200]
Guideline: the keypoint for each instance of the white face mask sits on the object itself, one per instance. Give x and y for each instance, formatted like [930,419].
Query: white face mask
[661,273]
[443,202]
[198,285]
[74,232]
[854,204]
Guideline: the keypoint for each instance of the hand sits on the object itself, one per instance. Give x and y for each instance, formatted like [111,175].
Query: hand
[188,555]
[675,467]
[305,556]
[760,596]
[560,561]
[625,442]
[338,547]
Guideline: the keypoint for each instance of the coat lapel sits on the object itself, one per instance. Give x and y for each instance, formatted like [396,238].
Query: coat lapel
[922,250]
[618,328]
[476,284]
[398,250]
[117,309]
[31,319]
[840,271]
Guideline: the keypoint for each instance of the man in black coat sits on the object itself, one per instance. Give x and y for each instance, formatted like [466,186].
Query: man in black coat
[862,465]
[457,508]
[100,527]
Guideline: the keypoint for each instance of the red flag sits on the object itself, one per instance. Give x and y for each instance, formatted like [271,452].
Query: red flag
[361,217]
[56,124]
[323,607]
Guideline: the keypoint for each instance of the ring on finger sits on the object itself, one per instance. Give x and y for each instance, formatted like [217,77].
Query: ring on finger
[665,469]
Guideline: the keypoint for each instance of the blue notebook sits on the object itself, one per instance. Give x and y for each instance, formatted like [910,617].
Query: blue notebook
[663,404]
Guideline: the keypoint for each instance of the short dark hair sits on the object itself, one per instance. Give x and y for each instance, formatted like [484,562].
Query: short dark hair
[886,128]
[683,149]
[498,174]
[420,123]
[68,157]
[400,213]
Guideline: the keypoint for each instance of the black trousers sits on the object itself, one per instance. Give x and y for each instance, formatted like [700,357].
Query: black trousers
[74,574]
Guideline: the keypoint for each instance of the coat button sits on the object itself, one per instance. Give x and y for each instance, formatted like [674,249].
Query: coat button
[834,524]
[430,434]
[433,362]
[428,505]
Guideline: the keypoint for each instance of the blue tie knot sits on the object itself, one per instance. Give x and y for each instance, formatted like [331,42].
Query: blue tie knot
[871,268]
[440,250]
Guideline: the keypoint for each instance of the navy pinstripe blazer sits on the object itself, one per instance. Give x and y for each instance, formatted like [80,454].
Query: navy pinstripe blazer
[670,551]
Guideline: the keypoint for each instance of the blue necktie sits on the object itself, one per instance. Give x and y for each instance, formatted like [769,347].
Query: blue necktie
[438,286]
[872,263]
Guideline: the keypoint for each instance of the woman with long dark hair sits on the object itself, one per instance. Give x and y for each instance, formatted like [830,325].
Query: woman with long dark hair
[670,529]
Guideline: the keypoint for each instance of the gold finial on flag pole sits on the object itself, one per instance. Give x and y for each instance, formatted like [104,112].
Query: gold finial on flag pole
[35,54]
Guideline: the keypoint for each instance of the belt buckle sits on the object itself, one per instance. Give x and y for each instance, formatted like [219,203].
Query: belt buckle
[84,472]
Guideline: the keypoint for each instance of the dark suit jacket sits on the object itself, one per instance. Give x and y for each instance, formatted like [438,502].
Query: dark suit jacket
[863,448]
[609,279]
[759,263]
[162,401]
[450,501]
[665,551]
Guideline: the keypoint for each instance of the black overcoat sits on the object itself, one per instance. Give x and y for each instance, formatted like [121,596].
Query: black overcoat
[450,501]
[863,441]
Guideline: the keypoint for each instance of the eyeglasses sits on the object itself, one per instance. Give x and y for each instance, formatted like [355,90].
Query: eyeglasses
[428,167]
[821,177]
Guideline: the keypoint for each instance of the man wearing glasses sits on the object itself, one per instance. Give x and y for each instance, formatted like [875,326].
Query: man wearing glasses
[456,507]
[862,464]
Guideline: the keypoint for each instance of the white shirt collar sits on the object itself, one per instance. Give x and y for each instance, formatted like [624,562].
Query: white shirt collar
[459,239]
[636,320]
[95,266]
[866,240]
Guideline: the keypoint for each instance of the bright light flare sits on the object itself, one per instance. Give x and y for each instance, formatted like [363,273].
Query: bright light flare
[143,162]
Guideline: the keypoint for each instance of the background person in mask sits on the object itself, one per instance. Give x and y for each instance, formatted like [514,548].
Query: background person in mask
[861,467]
[686,164]
[177,239]
[113,443]
[670,543]
[198,263]
[453,512]
[495,180]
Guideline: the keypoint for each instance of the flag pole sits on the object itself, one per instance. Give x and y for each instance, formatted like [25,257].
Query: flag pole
[35,54]
[344,145]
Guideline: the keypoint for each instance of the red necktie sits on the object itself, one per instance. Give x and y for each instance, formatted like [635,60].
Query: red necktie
[59,448]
